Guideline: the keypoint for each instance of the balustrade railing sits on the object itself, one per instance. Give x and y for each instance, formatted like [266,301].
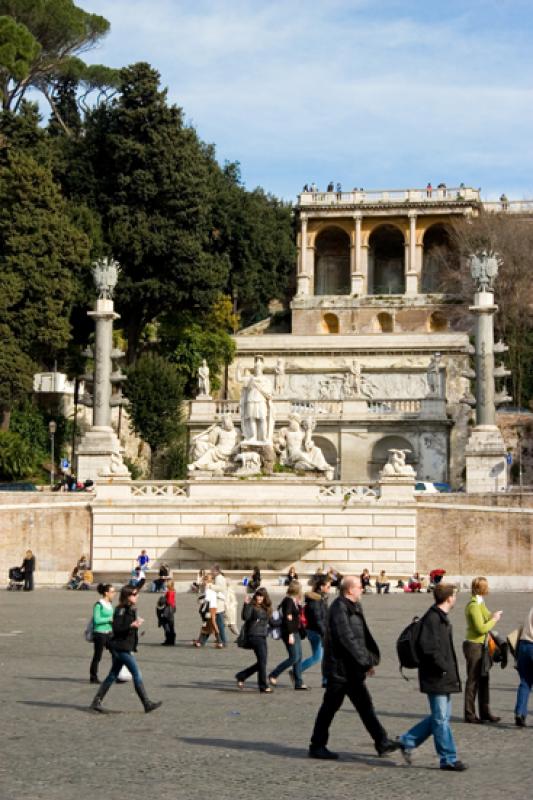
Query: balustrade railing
[159,489]
[433,195]
[348,493]
[396,407]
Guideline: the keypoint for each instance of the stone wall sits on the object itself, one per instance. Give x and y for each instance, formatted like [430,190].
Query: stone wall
[354,535]
[475,539]
[57,527]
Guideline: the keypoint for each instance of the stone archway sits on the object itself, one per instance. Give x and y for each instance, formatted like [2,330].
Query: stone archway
[330,323]
[332,262]
[386,261]
[380,453]
[439,255]
[328,449]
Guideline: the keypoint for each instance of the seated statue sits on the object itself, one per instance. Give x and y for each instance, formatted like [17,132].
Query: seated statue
[397,466]
[213,449]
[297,449]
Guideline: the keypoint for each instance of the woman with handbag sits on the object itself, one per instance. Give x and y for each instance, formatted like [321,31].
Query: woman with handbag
[207,600]
[102,626]
[292,633]
[165,610]
[256,614]
[479,622]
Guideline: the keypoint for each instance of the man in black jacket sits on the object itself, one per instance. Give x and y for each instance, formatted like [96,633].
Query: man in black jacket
[350,655]
[439,679]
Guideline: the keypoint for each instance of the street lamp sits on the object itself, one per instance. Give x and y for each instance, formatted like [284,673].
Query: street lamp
[52,428]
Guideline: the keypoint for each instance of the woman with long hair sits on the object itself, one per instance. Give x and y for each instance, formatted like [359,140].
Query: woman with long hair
[291,633]
[123,644]
[102,625]
[479,621]
[256,613]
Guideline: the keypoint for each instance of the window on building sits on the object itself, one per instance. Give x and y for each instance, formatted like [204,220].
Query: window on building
[331,323]
[332,262]
[386,261]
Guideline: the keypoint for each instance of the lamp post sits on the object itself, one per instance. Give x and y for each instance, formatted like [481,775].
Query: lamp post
[52,428]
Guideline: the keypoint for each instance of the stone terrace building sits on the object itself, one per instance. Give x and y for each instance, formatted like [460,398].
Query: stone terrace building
[371,354]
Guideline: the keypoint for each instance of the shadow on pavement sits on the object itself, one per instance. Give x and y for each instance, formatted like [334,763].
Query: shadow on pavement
[275,749]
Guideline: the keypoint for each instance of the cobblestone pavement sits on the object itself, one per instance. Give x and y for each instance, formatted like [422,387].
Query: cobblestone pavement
[210,740]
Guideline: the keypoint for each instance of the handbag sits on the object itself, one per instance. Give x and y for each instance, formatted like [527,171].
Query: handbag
[486,658]
[243,638]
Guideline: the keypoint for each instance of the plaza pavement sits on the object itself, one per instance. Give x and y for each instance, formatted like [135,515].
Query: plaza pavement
[210,740]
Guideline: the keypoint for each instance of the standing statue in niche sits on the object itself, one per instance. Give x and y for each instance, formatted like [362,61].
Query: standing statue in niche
[257,411]
[204,383]
[433,376]
[279,379]
[298,450]
[212,450]
[396,466]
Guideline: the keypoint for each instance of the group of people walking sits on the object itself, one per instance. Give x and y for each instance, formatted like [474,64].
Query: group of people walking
[340,639]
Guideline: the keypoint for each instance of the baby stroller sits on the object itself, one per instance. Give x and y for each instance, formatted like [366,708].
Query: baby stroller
[16,579]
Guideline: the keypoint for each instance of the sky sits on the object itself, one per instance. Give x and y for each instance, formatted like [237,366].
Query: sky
[380,94]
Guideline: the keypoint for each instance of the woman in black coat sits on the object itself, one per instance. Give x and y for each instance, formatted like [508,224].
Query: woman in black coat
[291,633]
[256,613]
[123,644]
[28,568]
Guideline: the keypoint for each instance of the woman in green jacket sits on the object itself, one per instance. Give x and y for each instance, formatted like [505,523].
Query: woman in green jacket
[479,621]
[102,625]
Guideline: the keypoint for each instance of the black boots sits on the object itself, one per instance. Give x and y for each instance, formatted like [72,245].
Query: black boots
[96,704]
[148,705]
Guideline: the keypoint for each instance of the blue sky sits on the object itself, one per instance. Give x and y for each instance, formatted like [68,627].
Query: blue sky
[372,93]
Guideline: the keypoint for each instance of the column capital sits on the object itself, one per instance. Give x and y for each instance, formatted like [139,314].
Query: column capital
[357,215]
[412,214]
[303,216]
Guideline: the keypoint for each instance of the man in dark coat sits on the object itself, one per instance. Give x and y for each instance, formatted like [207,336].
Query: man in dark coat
[439,679]
[350,656]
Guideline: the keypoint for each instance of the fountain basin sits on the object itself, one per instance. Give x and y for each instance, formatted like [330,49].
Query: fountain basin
[249,550]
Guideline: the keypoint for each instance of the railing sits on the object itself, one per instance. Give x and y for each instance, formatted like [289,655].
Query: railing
[348,494]
[227,407]
[371,197]
[159,489]
[509,207]
[408,406]
[318,408]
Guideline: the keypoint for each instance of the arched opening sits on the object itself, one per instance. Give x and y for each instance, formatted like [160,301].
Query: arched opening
[439,257]
[329,451]
[332,262]
[380,453]
[386,261]
[385,322]
[330,323]
[437,322]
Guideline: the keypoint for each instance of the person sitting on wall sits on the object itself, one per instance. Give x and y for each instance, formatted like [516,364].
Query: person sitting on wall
[160,584]
[365,581]
[414,584]
[382,583]
[291,576]
[138,578]
[86,580]
[75,578]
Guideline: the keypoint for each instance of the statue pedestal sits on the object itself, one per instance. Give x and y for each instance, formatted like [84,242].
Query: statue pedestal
[95,451]
[397,488]
[486,460]
[266,453]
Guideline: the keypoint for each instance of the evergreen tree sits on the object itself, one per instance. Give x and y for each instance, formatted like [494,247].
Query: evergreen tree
[152,186]
[42,255]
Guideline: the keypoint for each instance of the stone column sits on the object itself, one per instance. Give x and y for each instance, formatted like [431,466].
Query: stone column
[357,277]
[99,450]
[104,315]
[411,273]
[486,467]
[303,277]
[364,268]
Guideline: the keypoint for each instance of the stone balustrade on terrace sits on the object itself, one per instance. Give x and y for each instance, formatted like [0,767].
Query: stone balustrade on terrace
[207,411]
[389,196]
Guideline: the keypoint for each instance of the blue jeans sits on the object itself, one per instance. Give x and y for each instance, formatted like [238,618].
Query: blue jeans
[123,659]
[438,724]
[294,661]
[315,640]
[221,627]
[524,665]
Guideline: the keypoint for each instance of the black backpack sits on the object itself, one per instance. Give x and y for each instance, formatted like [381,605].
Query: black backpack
[407,646]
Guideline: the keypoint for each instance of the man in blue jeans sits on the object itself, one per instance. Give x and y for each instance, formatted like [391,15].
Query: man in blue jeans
[439,679]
